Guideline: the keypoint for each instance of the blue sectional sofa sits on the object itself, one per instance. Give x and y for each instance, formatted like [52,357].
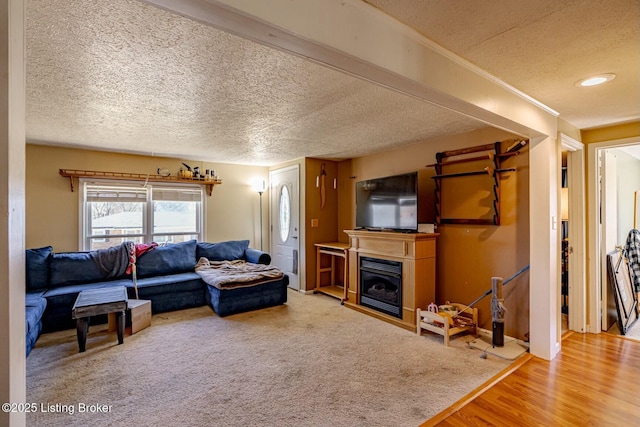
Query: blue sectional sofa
[37,280]
[165,275]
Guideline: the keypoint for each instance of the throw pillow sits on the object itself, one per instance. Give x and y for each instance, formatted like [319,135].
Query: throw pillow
[223,251]
[171,259]
[37,268]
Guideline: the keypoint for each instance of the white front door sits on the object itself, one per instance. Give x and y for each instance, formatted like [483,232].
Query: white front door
[285,226]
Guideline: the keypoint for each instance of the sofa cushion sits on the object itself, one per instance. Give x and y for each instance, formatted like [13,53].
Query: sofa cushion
[35,306]
[173,258]
[37,267]
[73,268]
[222,251]
[171,292]
[35,299]
[73,290]
[33,316]
[237,300]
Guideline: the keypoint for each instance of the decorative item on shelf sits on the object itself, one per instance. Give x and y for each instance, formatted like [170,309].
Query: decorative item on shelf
[163,172]
[185,174]
[196,172]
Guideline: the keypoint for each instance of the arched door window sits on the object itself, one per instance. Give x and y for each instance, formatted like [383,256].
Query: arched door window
[285,213]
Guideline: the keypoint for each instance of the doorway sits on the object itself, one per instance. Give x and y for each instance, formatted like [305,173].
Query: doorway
[601,236]
[573,239]
[285,223]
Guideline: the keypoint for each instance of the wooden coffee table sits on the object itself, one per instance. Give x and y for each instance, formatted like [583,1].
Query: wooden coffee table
[93,302]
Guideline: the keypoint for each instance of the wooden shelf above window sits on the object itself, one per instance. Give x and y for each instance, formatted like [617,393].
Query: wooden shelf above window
[73,173]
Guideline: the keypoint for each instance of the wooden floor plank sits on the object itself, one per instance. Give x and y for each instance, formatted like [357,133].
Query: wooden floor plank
[595,380]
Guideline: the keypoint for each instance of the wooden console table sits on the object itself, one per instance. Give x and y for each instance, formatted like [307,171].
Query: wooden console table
[333,249]
[416,252]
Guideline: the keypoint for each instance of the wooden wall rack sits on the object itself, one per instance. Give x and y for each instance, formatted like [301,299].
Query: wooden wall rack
[494,155]
[74,173]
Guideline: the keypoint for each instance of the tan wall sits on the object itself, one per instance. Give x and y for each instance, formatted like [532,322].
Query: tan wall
[628,183]
[327,220]
[52,210]
[467,255]
[611,133]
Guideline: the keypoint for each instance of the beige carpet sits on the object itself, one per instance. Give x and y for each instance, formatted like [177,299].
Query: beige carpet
[311,362]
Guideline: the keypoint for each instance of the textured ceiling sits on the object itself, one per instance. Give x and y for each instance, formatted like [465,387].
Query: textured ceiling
[125,76]
[542,48]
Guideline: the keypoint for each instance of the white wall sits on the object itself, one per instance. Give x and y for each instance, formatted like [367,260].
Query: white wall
[628,178]
[12,210]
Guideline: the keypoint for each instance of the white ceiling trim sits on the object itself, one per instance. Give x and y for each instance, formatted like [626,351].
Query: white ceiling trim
[356,38]
[430,44]
[569,143]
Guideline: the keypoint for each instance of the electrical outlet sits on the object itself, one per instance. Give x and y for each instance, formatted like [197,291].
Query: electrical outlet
[314,222]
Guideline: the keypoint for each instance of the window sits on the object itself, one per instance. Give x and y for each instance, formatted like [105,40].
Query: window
[117,212]
[285,213]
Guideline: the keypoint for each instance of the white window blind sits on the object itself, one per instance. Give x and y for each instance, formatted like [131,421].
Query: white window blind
[176,195]
[96,193]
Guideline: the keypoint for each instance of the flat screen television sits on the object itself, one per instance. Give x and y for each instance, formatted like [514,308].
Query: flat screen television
[388,203]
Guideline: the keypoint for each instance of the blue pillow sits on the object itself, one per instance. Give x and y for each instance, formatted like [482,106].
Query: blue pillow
[171,259]
[37,268]
[74,268]
[257,257]
[223,251]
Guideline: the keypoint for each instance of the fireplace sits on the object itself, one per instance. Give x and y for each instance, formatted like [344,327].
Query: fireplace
[381,285]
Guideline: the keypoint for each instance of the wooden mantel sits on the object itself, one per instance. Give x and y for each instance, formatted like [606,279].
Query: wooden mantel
[416,251]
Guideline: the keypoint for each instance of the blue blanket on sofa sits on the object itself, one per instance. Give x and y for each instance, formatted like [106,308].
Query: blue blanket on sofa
[236,273]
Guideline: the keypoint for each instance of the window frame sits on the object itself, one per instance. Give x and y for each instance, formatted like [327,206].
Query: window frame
[147,233]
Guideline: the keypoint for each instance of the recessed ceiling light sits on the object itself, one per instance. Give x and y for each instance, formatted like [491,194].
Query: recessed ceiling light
[595,80]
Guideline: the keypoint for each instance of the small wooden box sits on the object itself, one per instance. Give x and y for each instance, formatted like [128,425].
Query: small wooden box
[138,315]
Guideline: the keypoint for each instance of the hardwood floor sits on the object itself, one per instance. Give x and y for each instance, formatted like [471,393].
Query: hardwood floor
[594,381]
